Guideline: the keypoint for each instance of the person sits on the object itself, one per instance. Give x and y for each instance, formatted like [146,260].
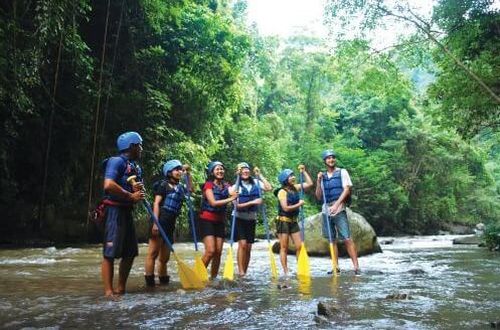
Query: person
[120,240]
[249,198]
[211,225]
[337,185]
[289,203]
[169,195]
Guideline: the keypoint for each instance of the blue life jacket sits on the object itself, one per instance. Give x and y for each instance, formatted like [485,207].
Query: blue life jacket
[131,168]
[333,186]
[173,198]
[247,196]
[292,198]
[219,194]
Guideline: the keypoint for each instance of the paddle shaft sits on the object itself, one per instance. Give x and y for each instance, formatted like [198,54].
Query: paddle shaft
[154,219]
[325,212]
[263,209]
[326,217]
[191,211]
[157,223]
[233,222]
[301,209]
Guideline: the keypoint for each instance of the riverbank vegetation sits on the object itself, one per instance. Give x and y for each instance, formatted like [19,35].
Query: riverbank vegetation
[416,125]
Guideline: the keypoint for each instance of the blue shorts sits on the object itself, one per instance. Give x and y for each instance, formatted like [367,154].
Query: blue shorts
[338,224]
[120,240]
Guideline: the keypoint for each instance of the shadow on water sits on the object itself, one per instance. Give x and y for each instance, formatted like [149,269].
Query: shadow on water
[443,286]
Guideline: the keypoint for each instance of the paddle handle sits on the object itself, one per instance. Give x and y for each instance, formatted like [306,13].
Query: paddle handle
[146,204]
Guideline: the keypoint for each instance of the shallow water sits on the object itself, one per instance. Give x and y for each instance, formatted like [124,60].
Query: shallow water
[458,288]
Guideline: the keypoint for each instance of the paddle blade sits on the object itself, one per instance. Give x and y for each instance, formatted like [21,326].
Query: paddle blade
[334,260]
[229,266]
[274,270]
[189,279]
[200,269]
[304,285]
[303,267]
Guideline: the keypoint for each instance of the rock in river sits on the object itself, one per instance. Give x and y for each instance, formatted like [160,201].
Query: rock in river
[362,233]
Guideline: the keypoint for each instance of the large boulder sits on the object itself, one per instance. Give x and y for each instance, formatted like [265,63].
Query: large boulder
[467,240]
[362,233]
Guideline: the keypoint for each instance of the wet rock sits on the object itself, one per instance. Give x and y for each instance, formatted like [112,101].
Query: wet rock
[327,309]
[458,229]
[321,320]
[467,240]
[479,230]
[416,271]
[495,324]
[387,241]
[398,296]
[362,232]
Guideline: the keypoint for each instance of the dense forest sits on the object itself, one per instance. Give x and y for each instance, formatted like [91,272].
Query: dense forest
[416,124]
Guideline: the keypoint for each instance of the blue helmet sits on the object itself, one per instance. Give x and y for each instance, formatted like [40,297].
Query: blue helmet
[243,165]
[284,175]
[212,165]
[327,153]
[126,139]
[170,166]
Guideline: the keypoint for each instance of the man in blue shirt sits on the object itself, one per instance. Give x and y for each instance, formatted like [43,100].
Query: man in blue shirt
[120,240]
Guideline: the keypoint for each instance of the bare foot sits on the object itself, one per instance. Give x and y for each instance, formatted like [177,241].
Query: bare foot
[111,296]
[119,292]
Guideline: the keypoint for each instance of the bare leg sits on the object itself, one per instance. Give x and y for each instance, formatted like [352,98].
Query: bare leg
[247,257]
[209,242]
[241,256]
[351,250]
[214,270]
[283,251]
[124,271]
[153,250]
[297,241]
[163,259]
[107,272]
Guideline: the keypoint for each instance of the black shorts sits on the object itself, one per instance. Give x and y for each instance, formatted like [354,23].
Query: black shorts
[210,228]
[167,222]
[283,227]
[245,229]
[120,240]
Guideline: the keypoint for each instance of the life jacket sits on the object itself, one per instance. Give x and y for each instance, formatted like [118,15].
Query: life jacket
[173,197]
[219,194]
[292,198]
[333,186]
[248,195]
[131,168]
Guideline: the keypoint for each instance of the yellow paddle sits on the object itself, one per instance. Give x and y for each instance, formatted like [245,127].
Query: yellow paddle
[325,218]
[229,264]
[189,279]
[303,267]
[274,270]
[199,266]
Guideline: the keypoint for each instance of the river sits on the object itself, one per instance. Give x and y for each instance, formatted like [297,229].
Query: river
[455,287]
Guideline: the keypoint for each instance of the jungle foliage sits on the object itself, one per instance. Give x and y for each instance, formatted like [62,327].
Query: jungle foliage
[417,134]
